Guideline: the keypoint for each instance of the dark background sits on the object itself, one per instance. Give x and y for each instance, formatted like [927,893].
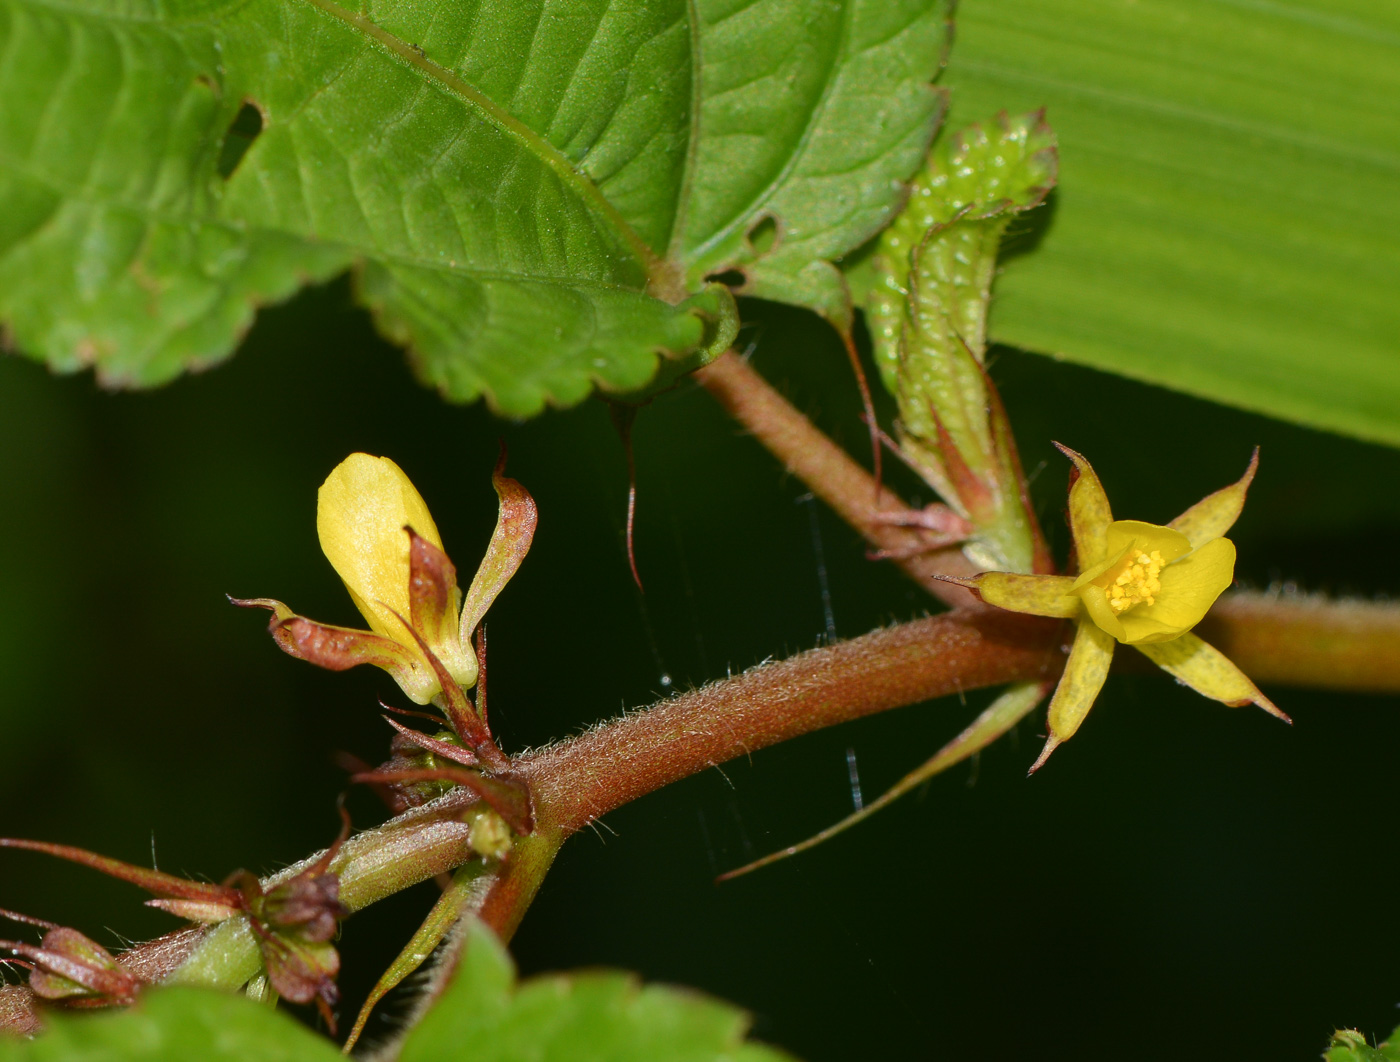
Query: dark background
[1182,880]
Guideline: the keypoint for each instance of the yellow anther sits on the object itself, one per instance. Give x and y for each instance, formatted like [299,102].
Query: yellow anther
[1137,583]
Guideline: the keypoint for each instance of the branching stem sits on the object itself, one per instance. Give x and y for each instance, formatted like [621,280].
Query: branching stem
[830,473]
[1292,640]
[576,781]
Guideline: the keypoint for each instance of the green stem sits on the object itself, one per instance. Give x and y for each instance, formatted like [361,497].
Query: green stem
[1303,641]
[579,779]
[417,845]
[513,890]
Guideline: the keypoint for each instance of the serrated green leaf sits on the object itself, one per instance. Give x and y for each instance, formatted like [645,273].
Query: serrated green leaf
[599,1016]
[1227,221]
[813,112]
[174,1025]
[533,193]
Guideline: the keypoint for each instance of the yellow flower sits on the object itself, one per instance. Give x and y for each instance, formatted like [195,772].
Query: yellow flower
[367,512]
[1141,584]
[376,531]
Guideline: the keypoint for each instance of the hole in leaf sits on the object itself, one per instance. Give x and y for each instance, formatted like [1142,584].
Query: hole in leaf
[763,235]
[730,278]
[242,131]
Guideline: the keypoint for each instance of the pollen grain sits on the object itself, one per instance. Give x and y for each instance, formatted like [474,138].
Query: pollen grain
[1137,584]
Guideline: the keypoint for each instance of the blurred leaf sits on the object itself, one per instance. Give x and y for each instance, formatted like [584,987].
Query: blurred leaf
[598,1016]
[499,178]
[1348,1045]
[174,1025]
[1227,221]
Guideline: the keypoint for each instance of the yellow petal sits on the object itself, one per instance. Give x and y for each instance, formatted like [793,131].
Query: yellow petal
[1093,574]
[1189,587]
[1089,513]
[1215,514]
[1085,671]
[1208,671]
[361,512]
[1037,595]
[1145,537]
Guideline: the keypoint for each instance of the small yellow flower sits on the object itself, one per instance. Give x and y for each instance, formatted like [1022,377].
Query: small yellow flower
[1140,584]
[376,531]
[367,512]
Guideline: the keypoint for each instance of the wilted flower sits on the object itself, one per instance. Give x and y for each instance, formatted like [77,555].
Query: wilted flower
[376,531]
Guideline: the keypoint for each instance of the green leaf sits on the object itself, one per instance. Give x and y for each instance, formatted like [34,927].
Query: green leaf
[174,1025]
[598,1016]
[812,114]
[926,287]
[1348,1045]
[532,194]
[1227,221]
[949,233]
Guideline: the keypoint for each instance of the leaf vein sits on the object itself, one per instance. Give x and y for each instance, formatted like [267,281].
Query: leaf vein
[533,143]
[818,112]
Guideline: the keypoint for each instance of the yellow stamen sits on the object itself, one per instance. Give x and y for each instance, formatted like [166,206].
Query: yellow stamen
[1137,583]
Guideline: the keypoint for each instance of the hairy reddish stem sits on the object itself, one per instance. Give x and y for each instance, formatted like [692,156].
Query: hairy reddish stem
[580,779]
[1297,640]
[1294,640]
[830,473]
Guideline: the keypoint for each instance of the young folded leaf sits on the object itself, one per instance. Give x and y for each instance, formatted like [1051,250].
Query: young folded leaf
[926,289]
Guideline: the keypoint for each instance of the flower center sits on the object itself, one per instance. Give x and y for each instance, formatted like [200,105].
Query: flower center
[1137,583]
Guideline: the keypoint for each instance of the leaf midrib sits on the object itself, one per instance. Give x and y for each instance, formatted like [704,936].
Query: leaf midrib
[70,193]
[675,244]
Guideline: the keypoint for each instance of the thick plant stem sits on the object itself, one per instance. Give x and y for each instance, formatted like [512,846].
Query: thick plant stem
[578,780]
[830,473]
[1292,640]
[1299,640]
[502,907]
[513,890]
